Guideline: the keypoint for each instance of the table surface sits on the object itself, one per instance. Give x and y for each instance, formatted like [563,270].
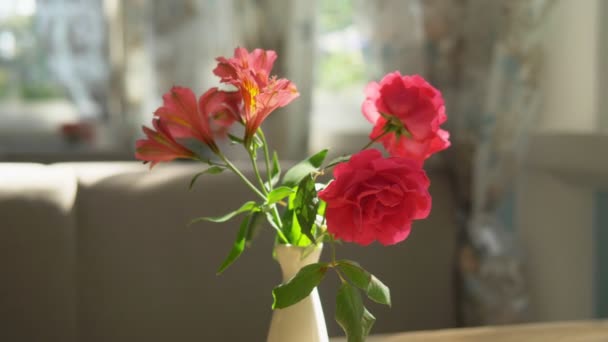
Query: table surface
[577,331]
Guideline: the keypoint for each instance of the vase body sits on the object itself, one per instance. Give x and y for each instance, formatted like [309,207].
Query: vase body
[303,321]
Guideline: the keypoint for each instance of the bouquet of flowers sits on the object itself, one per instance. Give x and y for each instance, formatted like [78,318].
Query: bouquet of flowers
[372,196]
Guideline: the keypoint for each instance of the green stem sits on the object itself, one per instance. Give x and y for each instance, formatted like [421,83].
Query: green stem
[208,161]
[376,139]
[242,176]
[254,163]
[333,248]
[333,258]
[266,158]
[275,215]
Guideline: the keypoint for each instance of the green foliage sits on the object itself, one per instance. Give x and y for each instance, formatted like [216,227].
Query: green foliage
[304,168]
[372,286]
[278,194]
[215,169]
[306,205]
[275,171]
[352,316]
[255,224]
[338,160]
[378,292]
[239,243]
[291,226]
[248,206]
[235,140]
[299,287]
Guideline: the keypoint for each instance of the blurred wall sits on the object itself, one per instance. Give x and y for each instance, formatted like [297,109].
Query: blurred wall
[557,193]
[571,64]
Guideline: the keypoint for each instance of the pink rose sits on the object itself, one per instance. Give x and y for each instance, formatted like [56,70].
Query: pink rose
[411,110]
[376,198]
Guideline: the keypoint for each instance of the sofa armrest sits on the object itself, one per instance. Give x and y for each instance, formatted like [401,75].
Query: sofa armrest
[37,229]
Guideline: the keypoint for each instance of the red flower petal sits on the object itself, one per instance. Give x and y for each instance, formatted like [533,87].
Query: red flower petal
[375,198]
[416,105]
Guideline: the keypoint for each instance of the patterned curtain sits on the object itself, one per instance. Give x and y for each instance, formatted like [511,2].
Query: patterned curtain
[73,36]
[485,58]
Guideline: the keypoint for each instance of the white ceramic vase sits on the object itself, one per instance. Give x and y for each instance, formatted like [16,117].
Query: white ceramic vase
[303,321]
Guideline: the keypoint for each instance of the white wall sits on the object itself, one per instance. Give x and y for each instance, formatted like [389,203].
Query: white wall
[570,63]
[566,165]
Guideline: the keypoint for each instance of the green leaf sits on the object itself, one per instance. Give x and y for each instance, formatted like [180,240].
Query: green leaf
[294,175]
[378,292]
[351,314]
[322,206]
[257,142]
[235,140]
[292,230]
[278,194]
[272,220]
[305,206]
[338,160]
[215,169]
[299,287]
[248,206]
[373,287]
[311,246]
[275,172]
[239,244]
[367,322]
[255,224]
[357,275]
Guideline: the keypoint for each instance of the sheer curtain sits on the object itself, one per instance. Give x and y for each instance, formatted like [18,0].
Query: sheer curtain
[485,57]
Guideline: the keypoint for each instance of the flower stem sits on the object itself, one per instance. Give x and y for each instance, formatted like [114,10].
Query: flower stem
[333,249]
[266,158]
[242,176]
[256,170]
[334,263]
[208,161]
[375,140]
[274,211]
[277,217]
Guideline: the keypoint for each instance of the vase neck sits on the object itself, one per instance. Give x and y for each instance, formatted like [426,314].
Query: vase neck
[292,258]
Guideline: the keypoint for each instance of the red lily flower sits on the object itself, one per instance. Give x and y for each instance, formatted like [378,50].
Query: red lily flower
[159,145]
[262,94]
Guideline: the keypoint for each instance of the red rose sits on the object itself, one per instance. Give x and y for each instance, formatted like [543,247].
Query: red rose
[376,198]
[412,110]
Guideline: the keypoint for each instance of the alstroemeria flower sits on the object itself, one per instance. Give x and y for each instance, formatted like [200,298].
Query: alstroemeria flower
[159,145]
[187,118]
[261,93]
[411,110]
[221,109]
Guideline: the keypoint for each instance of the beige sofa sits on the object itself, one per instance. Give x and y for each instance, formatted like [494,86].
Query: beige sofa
[102,252]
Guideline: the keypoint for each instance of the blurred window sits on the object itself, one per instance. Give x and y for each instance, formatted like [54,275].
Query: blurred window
[54,75]
[341,75]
